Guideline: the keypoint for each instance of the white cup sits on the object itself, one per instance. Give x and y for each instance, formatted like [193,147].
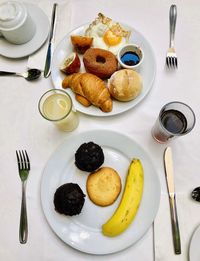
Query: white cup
[16,25]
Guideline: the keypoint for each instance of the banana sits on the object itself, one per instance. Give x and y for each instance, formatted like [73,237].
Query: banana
[130,201]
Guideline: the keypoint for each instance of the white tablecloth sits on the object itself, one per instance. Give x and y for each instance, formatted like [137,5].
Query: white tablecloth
[21,127]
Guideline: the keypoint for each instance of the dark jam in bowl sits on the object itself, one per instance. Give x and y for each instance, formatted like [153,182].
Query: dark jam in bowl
[130,58]
[174,121]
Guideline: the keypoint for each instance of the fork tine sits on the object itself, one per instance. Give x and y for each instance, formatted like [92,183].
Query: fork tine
[24,160]
[167,62]
[173,61]
[21,160]
[176,62]
[27,161]
[18,161]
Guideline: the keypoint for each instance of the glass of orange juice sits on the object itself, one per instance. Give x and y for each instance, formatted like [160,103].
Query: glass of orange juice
[56,106]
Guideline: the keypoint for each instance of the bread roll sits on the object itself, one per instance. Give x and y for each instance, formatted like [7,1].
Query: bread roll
[125,85]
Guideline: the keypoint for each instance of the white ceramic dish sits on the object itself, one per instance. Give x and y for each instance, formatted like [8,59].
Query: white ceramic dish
[130,48]
[83,231]
[42,30]
[147,71]
[194,251]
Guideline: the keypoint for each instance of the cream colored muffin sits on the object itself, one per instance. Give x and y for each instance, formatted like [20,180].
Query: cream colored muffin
[103,186]
[125,85]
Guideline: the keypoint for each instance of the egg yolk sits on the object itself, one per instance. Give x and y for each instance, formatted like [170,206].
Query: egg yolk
[111,39]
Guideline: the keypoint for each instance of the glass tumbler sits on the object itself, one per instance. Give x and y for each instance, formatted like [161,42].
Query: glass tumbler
[56,106]
[175,119]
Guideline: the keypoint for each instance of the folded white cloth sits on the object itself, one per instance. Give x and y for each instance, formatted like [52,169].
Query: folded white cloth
[63,26]
[189,219]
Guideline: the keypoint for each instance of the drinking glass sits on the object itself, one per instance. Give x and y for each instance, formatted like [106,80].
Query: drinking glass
[175,119]
[56,106]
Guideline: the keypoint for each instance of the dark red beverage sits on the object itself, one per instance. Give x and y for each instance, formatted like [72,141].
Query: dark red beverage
[174,121]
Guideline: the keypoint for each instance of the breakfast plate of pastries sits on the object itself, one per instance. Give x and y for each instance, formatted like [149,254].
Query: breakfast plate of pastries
[79,195]
[86,64]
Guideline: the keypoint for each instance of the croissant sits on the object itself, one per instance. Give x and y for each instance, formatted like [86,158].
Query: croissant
[89,89]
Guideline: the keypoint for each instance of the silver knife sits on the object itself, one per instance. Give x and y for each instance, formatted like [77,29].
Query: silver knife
[47,68]
[172,199]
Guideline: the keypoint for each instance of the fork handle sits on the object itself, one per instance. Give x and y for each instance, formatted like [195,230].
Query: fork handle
[172,23]
[23,227]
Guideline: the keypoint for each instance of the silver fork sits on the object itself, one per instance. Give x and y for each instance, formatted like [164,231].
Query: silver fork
[24,167]
[171,59]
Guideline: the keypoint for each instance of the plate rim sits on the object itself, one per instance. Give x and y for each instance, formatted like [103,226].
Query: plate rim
[195,232]
[71,244]
[139,99]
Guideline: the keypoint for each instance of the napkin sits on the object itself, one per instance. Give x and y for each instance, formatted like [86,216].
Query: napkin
[189,219]
[63,26]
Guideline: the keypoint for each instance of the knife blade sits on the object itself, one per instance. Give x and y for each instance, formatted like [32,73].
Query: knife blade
[47,68]
[168,163]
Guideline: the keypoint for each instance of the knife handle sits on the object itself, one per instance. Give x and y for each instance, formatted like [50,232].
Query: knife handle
[175,226]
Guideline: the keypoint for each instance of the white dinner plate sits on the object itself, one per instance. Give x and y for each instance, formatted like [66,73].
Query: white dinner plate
[194,251]
[147,71]
[83,231]
[42,30]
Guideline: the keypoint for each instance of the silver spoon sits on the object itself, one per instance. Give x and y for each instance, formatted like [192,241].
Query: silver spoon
[30,75]
[196,194]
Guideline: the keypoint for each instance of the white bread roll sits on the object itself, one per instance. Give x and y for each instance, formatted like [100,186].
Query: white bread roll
[125,85]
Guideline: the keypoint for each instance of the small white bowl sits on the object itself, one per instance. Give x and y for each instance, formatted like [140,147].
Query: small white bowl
[130,48]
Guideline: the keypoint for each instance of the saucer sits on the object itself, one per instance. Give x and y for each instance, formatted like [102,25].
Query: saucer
[42,30]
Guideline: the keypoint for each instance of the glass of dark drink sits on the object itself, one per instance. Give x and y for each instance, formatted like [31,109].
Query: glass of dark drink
[175,119]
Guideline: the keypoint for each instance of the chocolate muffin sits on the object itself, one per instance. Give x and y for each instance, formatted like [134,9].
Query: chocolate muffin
[69,199]
[89,157]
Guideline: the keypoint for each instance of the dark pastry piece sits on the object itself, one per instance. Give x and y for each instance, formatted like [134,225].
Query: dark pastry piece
[89,157]
[69,199]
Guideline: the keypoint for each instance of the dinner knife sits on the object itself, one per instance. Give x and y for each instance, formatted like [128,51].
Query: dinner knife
[172,199]
[47,68]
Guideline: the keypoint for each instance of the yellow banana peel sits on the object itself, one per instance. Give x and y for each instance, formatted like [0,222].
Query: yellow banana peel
[131,198]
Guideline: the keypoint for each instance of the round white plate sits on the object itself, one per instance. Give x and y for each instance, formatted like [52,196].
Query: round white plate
[83,231]
[147,71]
[42,30]
[194,251]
